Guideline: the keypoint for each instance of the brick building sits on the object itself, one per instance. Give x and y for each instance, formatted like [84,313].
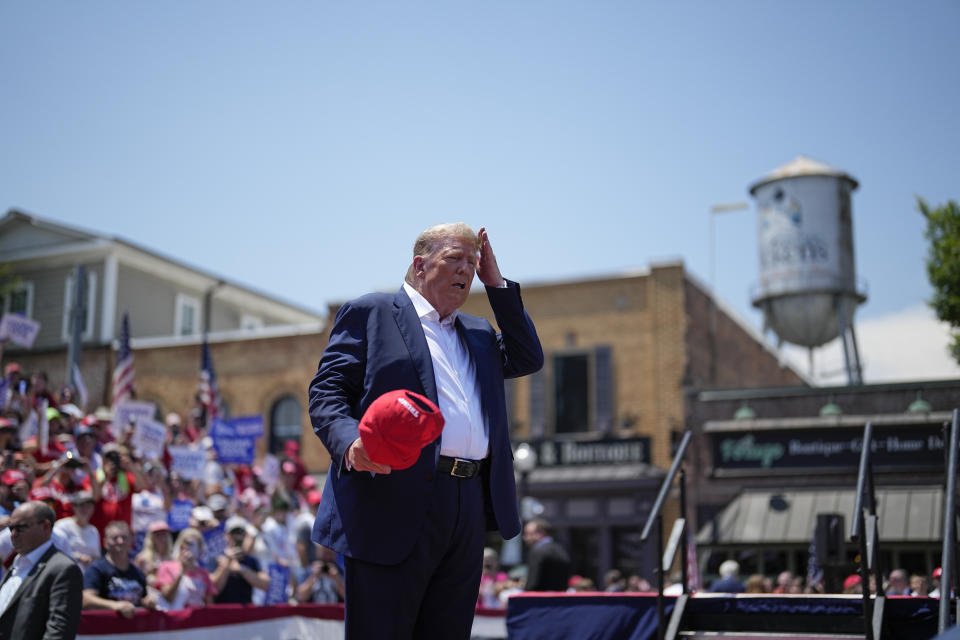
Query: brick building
[621,353]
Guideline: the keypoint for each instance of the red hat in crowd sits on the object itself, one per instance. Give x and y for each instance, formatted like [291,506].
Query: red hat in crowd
[397,425]
[852,579]
[313,497]
[42,493]
[937,572]
[12,476]
[308,482]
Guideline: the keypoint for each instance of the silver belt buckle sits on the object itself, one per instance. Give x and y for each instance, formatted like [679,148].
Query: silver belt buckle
[456,464]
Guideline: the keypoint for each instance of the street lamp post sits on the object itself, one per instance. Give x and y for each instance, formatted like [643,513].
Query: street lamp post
[524,461]
[714,210]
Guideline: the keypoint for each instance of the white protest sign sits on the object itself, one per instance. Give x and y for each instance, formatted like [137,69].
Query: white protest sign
[130,411]
[30,427]
[149,437]
[19,329]
[270,470]
[187,462]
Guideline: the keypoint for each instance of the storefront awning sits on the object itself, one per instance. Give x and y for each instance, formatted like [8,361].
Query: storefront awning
[906,514]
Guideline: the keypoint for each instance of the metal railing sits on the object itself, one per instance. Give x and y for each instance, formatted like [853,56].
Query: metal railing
[865,531]
[678,540]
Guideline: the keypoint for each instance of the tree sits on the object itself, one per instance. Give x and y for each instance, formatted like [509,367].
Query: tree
[943,264]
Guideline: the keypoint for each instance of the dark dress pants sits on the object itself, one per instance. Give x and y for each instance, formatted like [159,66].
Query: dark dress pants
[433,592]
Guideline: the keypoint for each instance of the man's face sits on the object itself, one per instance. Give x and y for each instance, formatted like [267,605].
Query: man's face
[444,276]
[27,531]
[117,541]
[531,534]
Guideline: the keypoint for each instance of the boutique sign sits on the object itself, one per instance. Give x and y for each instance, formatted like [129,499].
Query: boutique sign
[585,452]
[836,447]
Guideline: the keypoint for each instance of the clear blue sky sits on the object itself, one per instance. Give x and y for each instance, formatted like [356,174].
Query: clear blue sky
[299,147]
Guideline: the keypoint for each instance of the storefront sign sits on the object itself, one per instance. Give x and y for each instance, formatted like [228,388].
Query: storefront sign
[585,452]
[836,447]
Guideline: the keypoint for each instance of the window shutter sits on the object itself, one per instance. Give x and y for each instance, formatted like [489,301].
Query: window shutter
[603,388]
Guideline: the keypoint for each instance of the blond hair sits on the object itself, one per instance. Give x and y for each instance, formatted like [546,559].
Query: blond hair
[189,532]
[426,242]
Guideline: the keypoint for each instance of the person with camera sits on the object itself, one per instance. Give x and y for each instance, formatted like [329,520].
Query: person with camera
[119,479]
[66,476]
[321,582]
[237,573]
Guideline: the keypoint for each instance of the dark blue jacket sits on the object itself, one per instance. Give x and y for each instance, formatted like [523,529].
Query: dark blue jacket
[377,345]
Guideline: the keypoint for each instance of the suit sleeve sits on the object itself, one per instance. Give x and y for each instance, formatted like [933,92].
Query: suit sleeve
[336,389]
[518,340]
[66,601]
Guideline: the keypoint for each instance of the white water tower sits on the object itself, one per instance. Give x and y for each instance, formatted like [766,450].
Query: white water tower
[807,287]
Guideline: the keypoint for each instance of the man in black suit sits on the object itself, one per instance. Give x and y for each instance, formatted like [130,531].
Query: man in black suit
[548,564]
[42,594]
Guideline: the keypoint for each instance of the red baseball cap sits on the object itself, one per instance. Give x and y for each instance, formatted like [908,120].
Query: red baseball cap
[12,476]
[397,425]
[308,482]
[314,497]
[937,572]
[852,580]
[42,493]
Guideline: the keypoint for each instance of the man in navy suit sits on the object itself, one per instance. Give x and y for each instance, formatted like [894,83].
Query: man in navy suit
[413,539]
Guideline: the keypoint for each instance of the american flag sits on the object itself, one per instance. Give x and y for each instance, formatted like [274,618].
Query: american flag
[209,391]
[814,570]
[694,579]
[123,371]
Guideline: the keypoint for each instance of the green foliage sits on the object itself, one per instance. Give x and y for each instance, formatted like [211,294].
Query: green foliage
[943,264]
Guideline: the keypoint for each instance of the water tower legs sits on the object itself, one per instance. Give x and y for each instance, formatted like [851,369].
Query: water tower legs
[848,337]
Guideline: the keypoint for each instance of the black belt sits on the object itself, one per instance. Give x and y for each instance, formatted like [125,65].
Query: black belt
[460,467]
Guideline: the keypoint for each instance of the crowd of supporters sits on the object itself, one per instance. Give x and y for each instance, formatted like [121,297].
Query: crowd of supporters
[144,536]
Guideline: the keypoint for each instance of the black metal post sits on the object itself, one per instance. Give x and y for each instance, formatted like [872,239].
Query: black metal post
[661,609]
[949,527]
[683,514]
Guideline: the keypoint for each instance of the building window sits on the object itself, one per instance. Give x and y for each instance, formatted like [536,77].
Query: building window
[249,322]
[91,306]
[187,319]
[19,300]
[571,393]
[582,393]
[285,423]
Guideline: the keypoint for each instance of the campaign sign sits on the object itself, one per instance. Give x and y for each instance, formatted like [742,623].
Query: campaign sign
[279,579]
[214,543]
[129,411]
[19,329]
[187,462]
[179,516]
[247,426]
[234,450]
[149,437]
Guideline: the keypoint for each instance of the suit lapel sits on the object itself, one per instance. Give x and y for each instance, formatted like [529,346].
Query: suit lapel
[412,332]
[30,577]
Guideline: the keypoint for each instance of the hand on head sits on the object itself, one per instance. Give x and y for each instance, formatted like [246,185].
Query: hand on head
[487,269]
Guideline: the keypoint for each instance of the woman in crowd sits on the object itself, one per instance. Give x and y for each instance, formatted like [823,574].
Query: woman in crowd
[183,582]
[157,549]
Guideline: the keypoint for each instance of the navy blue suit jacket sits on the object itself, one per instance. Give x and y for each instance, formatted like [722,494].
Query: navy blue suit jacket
[377,345]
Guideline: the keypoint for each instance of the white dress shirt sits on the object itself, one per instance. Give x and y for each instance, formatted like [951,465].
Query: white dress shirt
[458,391]
[22,565]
